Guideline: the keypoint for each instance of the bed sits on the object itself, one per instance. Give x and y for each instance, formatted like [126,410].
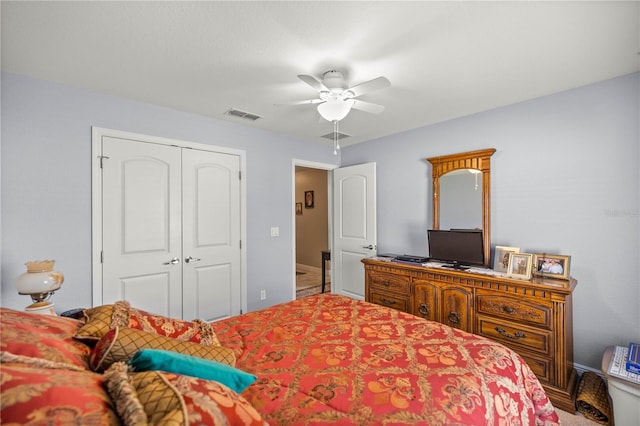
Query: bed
[331,359]
[324,359]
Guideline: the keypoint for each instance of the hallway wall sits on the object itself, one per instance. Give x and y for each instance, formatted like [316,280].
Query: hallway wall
[312,225]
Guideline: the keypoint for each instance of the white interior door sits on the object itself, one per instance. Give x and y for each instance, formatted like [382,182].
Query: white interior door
[354,226]
[141,221]
[211,234]
[170,228]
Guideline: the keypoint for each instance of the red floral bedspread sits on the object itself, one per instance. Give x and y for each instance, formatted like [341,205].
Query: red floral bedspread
[331,359]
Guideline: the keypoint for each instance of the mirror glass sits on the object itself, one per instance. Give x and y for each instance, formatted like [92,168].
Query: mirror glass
[461,199]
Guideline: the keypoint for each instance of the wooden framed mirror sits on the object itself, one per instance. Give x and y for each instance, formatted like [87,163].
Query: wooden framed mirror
[455,204]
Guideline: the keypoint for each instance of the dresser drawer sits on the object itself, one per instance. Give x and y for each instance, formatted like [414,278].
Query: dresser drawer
[513,309]
[389,282]
[541,367]
[389,300]
[515,336]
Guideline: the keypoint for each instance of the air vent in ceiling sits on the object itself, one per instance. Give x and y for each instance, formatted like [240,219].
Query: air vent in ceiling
[331,136]
[242,114]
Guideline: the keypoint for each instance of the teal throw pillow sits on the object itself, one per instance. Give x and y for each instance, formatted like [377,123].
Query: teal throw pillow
[174,362]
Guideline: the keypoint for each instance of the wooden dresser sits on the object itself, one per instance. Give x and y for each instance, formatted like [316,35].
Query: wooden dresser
[534,318]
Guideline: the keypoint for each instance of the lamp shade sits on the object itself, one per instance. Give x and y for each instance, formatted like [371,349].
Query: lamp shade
[39,278]
[335,110]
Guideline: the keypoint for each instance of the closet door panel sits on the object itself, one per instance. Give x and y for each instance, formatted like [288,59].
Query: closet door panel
[150,292]
[141,225]
[212,210]
[213,299]
[211,234]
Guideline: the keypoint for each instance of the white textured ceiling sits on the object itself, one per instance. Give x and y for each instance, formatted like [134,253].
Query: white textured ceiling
[444,59]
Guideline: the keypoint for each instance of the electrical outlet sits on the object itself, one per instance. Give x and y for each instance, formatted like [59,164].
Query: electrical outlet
[263,294]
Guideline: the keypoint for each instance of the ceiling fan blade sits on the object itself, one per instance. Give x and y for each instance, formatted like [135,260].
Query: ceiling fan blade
[313,82]
[369,86]
[367,107]
[305,102]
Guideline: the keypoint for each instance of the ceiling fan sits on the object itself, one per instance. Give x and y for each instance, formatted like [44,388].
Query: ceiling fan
[336,98]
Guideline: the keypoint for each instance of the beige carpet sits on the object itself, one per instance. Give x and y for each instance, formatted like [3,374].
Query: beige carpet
[569,419]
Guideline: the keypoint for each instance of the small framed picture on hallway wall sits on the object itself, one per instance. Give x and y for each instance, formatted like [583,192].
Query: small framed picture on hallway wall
[308,199]
[298,208]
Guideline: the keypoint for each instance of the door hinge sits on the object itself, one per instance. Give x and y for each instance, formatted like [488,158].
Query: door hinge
[102,157]
[239,174]
[101,257]
[240,244]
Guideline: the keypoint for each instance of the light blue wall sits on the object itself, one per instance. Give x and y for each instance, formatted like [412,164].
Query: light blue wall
[564,180]
[46,183]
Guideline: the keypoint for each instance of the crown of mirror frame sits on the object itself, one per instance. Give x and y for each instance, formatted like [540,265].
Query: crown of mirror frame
[40,282]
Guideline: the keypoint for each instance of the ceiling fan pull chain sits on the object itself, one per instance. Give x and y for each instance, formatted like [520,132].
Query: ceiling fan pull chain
[336,145]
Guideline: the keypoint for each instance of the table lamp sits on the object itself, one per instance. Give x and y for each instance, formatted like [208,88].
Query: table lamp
[40,282]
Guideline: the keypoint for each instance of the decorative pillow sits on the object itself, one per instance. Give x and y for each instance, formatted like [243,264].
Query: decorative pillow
[121,344]
[168,398]
[101,319]
[173,362]
[32,395]
[42,336]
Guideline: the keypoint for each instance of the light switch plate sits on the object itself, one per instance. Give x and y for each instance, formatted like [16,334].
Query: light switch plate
[275,231]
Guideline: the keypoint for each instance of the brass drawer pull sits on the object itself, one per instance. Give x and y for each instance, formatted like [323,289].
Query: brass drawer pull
[386,283]
[507,309]
[454,317]
[424,309]
[503,332]
[387,302]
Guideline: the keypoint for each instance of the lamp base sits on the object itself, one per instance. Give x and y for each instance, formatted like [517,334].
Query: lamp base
[45,308]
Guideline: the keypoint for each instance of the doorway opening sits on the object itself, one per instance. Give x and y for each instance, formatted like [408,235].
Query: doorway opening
[312,195]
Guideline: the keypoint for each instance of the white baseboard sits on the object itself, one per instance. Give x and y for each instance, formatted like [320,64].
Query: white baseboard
[580,369]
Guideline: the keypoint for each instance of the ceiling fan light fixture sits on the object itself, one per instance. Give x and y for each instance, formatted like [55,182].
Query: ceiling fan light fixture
[335,110]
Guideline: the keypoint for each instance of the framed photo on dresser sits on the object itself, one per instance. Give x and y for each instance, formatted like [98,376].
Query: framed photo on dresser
[520,265]
[501,257]
[551,265]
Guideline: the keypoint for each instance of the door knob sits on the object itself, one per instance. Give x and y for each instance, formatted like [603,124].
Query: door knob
[192,259]
[173,261]
[369,247]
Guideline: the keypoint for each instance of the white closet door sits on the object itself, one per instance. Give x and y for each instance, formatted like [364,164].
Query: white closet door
[142,243]
[211,235]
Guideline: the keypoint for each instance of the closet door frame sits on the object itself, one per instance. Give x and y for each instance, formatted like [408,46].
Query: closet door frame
[97,133]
